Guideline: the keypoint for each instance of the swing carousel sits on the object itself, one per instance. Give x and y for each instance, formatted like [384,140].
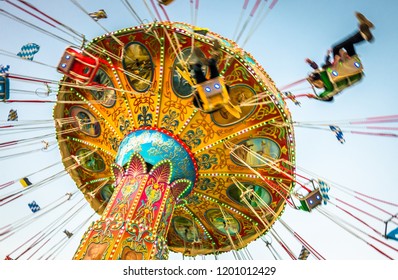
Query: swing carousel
[194,189]
[161,174]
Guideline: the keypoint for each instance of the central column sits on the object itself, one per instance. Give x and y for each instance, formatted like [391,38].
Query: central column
[135,222]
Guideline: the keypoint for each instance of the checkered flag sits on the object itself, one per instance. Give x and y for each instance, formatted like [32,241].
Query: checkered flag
[34,206]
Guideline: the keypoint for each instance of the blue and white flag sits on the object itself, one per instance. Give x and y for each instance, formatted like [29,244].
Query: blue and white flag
[324,190]
[339,134]
[393,234]
[28,51]
[34,206]
[12,115]
[303,254]
[4,69]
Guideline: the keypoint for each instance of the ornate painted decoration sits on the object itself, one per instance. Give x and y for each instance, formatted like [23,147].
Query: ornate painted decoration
[140,105]
[263,147]
[86,121]
[185,228]
[155,146]
[235,194]
[137,61]
[106,95]
[90,160]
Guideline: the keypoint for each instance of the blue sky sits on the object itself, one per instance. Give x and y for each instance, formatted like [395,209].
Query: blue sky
[292,31]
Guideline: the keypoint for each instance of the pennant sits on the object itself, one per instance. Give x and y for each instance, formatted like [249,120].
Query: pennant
[98,15]
[4,69]
[28,51]
[324,190]
[12,115]
[303,254]
[34,207]
[25,182]
[339,134]
[393,234]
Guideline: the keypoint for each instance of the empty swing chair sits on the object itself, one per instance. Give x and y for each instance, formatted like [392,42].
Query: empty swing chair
[4,87]
[79,66]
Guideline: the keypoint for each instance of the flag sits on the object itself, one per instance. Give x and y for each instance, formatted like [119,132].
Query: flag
[4,69]
[98,15]
[324,190]
[25,182]
[303,254]
[68,233]
[339,134]
[28,51]
[12,115]
[393,234]
[34,206]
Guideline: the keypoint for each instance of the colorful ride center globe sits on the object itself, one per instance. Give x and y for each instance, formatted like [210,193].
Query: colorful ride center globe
[134,123]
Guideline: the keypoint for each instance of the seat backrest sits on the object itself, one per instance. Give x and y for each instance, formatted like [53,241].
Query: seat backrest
[4,88]
[79,66]
[213,93]
[345,69]
[312,200]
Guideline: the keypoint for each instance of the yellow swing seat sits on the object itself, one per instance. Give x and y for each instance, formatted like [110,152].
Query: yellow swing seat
[214,96]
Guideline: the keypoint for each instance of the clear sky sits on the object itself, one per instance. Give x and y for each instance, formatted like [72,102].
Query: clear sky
[288,34]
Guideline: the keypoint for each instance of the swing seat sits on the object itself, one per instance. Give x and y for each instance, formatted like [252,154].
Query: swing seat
[332,88]
[165,2]
[214,96]
[346,69]
[201,31]
[4,88]
[78,66]
[336,79]
[312,200]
